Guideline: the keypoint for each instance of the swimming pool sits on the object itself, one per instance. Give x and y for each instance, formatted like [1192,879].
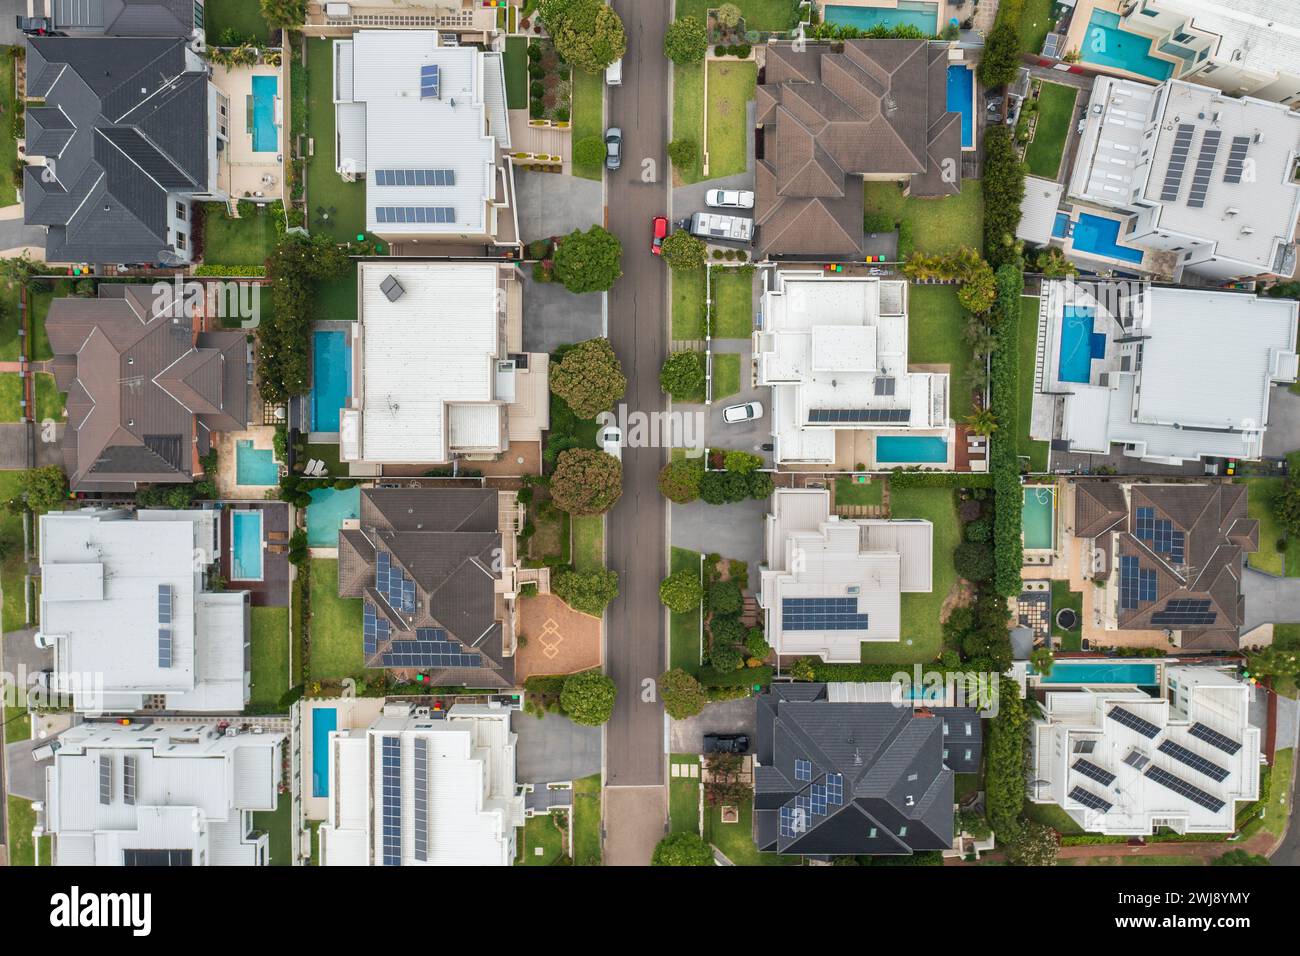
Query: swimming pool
[961,99]
[1106,44]
[1102,672]
[1037,518]
[913,13]
[328,510]
[1061,228]
[323,720]
[255,466]
[1097,235]
[331,379]
[246,546]
[1079,345]
[907,449]
[266,138]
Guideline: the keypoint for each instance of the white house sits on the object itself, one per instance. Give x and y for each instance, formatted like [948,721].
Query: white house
[1121,762]
[166,794]
[415,789]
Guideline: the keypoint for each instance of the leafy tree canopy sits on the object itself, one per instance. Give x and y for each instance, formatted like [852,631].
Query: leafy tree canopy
[586,481]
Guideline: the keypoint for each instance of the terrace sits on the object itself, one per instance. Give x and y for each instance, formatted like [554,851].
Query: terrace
[252,163]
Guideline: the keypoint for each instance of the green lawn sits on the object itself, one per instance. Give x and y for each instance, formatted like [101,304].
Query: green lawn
[588,549]
[49,400]
[1055,114]
[688,115]
[964,784]
[920,612]
[733,303]
[726,375]
[1036,22]
[1286,637]
[8,323]
[688,304]
[935,321]
[684,797]
[850,492]
[586,821]
[11,396]
[18,724]
[540,832]
[1134,861]
[731,86]
[270,655]
[13,569]
[939,226]
[1062,596]
[245,241]
[22,818]
[684,629]
[516,65]
[11,127]
[325,189]
[39,303]
[328,453]
[337,298]
[776,15]
[1260,493]
[335,625]
[1026,447]
[278,825]
[1053,816]
[735,842]
[588,115]
[242,16]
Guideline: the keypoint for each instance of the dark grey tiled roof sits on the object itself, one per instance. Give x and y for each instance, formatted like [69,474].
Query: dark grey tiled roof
[124,18]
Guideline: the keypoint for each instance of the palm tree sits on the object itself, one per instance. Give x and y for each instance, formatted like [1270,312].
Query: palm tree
[983,422]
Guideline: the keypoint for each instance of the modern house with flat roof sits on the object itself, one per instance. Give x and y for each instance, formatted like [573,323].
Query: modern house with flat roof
[837,777]
[126,606]
[1170,556]
[834,352]
[1170,375]
[1120,762]
[1207,179]
[425,125]
[418,788]
[438,369]
[123,137]
[831,583]
[167,794]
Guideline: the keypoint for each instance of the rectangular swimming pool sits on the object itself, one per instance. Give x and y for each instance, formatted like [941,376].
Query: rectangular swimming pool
[255,466]
[1079,345]
[266,138]
[961,99]
[323,720]
[331,379]
[246,546]
[1038,518]
[1099,235]
[910,449]
[912,13]
[1107,44]
[1061,227]
[328,510]
[1102,672]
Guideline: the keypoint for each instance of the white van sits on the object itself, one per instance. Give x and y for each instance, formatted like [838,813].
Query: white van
[614,73]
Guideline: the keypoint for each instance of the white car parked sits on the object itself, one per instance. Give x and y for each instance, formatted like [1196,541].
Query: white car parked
[610,439]
[729,199]
[748,412]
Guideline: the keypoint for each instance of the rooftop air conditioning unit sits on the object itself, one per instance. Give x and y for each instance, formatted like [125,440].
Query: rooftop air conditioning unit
[338,11]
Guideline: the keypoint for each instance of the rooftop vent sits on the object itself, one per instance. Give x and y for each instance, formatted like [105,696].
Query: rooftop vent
[391,288]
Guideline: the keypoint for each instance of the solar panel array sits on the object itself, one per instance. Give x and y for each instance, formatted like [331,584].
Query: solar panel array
[793,820]
[430,81]
[1214,738]
[105,779]
[1236,159]
[415,177]
[1160,534]
[835,789]
[822,614]
[803,769]
[1204,165]
[421,799]
[1181,787]
[1177,162]
[391,756]
[1193,760]
[1184,612]
[817,794]
[164,647]
[415,213]
[376,629]
[1090,800]
[164,604]
[128,779]
[1136,584]
[1126,718]
[429,654]
[1093,772]
[393,584]
[850,415]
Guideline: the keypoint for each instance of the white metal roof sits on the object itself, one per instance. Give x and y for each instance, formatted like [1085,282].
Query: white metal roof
[1038,210]
[1260,34]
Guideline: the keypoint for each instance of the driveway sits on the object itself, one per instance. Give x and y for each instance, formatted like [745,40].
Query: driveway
[1269,599]
[551,205]
[689,199]
[734,531]
[554,316]
[554,749]
[723,717]
[22,659]
[9,11]
[14,234]
[1283,433]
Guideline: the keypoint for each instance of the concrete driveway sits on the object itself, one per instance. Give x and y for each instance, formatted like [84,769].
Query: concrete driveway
[723,717]
[1283,434]
[554,316]
[734,531]
[554,749]
[689,199]
[551,205]
[1269,599]
[22,659]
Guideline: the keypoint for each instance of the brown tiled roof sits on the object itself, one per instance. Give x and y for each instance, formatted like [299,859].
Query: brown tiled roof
[1098,506]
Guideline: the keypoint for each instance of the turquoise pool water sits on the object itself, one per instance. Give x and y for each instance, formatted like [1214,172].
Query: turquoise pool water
[961,93]
[905,449]
[331,379]
[1037,512]
[265,137]
[255,466]
[1098,672]
[246,546]
[328,510]
[1061,228]
[323,720]
[923,16]
[1099,236]
[1079,345]
[1106,44]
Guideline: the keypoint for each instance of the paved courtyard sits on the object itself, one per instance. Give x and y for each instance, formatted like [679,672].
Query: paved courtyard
[723,717]
[554,748]
[560,639]
[558,317]
[551,205]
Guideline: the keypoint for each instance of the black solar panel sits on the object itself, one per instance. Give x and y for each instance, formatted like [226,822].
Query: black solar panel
[1215,739]
[1193,760]
[803,770]
[1126,718]
[1145,523]
[429,654]
[376,629]
[1204,165]
[164,647]
[1177,162]
[1090,800]
[421,772]
[164,604]
[835,789]
[825,416]
[415,177]
[1136,584]
[128,779]
[393,584]
[430,81]
[1184,612]
[1093,772]
[105,779]
[415,214]
[822,614]
[157,857]
[391,756]
[1236,159]
[1181,787]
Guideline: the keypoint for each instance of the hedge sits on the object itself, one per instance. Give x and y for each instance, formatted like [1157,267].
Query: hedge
[898,478]
[1004,464]
[1004,754]
[218,270]
[741,678]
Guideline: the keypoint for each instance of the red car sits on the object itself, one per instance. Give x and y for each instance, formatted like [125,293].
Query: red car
[660,233]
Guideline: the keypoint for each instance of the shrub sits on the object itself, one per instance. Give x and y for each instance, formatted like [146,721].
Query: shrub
[679,480]
[589,377]
[588,698]
[726,659]
[742,462]
[587,591]
[759,485]
[756,645]
[684,152]
[973,561]
[725,597]
[726,631]
[682,694]
[723,487]
[685,40]
[683,252]
[1004,465]
[1004,189]
[682,591]
[682,849]
[589,151]
[586,481]
[981,529]
[589,34]
[1004,775]
[589,261]
[683,376]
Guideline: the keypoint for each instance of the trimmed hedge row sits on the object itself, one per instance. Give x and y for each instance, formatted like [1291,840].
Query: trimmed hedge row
[898,478]
[1004,465]
[1004,755]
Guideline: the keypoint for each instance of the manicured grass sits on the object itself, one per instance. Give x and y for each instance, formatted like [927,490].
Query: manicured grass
[516,65]
[733,303]
[586,821]
[335,625]
[1035,23]
[242,16]
[328,453]
[1276,804]
[731,86]
[688,115]
[939,226]
[759,14]
[278,825]
[921,612]
[49,400]
[684,629]
[964,784]
[22,818]
[588,548]
[1135,861]
[684,797]
[850,492]
[18,724]
[1286,637]
[270,655]
[39,303]
[245,241]
[337,298]
[588,115]
[734,840]
[1026,447]
[688,304]
[13,570]
[11,127]
[726,375]
[934,336]
[1260,492]
[9,323]
[540,831]
[1053,816]
[1062,596]
[324,186]
[1055,113]
[11,395]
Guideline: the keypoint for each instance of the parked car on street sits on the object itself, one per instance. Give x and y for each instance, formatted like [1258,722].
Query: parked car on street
[748,412]
[611,441]
[659,228]
[726,743]
[613,147]
[729,199]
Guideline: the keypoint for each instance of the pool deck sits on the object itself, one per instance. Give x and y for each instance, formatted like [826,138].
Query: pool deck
[947,9]
[273,589]
[355,713]
[1078,34]
[228,486]
[241,169]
